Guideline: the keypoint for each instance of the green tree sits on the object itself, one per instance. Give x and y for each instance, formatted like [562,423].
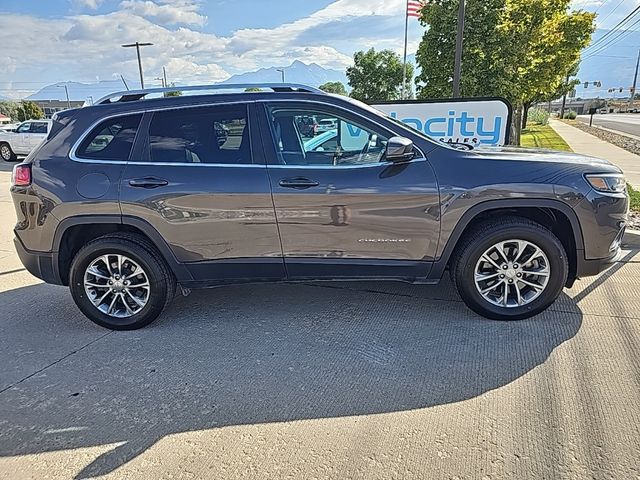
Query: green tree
[518,49]
[10,109]
[334,87]
[377,75]
[253,89]
[174,93]
[28,110]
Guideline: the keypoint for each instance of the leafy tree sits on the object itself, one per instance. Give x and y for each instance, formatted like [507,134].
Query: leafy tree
[334,87]
[253,89]
[377,75]
[174,93]
[28,110]
[9,108]
[518,49]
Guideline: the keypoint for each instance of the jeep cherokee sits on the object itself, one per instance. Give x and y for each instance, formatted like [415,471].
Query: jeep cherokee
[134,197]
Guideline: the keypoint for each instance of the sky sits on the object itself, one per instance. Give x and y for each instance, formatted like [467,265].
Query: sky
[198,41]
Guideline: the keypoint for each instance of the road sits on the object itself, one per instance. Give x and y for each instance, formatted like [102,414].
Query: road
[627,123]
[327,381]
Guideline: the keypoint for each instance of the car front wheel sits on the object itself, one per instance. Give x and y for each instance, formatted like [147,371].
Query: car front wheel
[120,282]
[6,153]
[509,269]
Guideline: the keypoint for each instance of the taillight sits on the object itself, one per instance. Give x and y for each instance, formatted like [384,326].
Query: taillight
[21,176]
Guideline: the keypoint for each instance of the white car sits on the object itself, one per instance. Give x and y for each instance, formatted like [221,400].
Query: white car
[23,139]
[326,125]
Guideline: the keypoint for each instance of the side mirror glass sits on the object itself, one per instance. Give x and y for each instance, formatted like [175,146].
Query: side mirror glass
[399,149]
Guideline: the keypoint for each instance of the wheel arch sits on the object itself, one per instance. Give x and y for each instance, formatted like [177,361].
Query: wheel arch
[553,214]
[74,232]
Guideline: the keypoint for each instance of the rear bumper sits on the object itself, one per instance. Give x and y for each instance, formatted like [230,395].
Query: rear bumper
[39,264]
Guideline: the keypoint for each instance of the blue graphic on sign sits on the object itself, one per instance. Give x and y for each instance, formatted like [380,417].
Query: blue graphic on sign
[472,127]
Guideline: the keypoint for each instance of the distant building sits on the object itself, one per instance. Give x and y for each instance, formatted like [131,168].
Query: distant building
[4,120]
[49,107]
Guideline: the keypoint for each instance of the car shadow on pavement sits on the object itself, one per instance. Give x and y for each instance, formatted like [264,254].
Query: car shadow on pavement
[253,354]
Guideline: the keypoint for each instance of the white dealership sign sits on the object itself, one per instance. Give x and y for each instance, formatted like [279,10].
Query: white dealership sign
[475,121]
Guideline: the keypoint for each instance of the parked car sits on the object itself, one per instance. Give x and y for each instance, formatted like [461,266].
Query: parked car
[23,139]
[307,126]
[135,197]
[326,125]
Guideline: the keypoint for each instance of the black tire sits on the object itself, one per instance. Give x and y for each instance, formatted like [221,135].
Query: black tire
[6,153]
[479,239]
[139,249]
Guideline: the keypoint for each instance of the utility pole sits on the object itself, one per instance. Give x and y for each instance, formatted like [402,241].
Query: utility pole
[564,100]
[66,91]
[457,68]
[164,75]
[138,45]
[404,61]
[281,70]
[635,82]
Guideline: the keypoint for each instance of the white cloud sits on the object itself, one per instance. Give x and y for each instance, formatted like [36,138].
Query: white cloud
[82,47]
[93,4]
[176,13]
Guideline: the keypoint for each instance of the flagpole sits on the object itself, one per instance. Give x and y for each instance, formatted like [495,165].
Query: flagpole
[404,64]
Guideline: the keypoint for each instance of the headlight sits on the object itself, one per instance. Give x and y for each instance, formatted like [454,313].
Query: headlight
[607,182]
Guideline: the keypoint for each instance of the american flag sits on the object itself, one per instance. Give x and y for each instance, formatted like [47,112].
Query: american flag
[414,7]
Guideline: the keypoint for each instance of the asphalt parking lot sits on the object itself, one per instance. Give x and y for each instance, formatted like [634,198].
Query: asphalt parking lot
[349,380]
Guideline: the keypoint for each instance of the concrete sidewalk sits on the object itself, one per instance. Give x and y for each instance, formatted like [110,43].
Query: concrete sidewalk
[584,143]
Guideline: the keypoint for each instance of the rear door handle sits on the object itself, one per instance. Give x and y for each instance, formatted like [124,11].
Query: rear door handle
[298,182]
[148,182]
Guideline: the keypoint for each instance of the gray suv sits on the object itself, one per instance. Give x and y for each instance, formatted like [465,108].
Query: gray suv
[135,197]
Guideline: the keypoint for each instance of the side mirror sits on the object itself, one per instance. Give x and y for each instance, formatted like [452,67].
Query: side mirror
[399,149]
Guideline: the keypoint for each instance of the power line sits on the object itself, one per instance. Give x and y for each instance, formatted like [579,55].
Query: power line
[615,29]
[611,11]
[610,42]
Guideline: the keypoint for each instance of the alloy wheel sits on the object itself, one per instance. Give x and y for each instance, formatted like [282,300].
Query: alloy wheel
[512,273]
[116,285]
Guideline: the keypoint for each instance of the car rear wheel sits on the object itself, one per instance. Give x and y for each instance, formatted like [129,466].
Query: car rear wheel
[509,269]
[6,153]
[120,282]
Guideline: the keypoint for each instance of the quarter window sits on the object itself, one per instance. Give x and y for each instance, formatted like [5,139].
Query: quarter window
[218,134]
[334,140]
[111,140]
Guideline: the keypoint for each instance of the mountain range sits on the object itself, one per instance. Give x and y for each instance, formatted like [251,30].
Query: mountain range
[298,72]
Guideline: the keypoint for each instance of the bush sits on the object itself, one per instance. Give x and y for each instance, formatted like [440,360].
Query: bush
[570,115]
[539,116]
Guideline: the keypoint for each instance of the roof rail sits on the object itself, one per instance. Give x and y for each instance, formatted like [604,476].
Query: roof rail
[133,95]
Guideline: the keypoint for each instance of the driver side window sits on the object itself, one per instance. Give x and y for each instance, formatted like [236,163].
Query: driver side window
[24,128]
[314,137]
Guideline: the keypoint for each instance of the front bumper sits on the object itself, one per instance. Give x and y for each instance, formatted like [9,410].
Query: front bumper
[589,268]
[38,264]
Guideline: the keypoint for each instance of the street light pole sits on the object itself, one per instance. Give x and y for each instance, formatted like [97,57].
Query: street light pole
[457,68]
[281,70]
[138,45]
[66,91]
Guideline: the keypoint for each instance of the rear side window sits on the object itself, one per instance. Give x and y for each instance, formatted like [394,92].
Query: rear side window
[38,127]
[216,134]
[111,140]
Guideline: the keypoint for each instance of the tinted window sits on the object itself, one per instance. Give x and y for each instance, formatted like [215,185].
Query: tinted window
[111,140]
[24,128]
[336,140]
[39,127]
[201,135]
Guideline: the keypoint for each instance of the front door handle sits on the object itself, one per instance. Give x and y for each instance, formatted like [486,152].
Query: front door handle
[298,182]
[148,182]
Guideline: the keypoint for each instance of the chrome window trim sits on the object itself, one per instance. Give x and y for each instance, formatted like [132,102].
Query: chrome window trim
[347,166]
[88,130]
[75,158]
